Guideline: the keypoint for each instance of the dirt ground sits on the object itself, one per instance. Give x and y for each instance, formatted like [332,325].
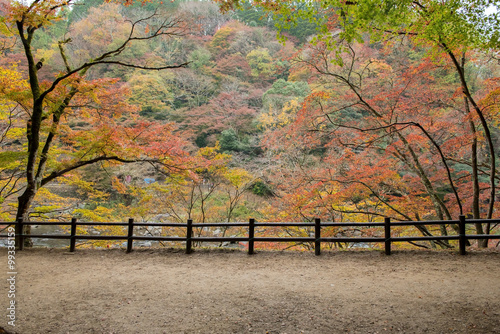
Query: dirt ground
[167,291]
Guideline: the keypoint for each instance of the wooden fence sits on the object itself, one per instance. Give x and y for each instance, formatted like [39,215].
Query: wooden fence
[251,239]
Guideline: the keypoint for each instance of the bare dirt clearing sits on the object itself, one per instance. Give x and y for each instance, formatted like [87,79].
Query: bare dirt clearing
[160,291]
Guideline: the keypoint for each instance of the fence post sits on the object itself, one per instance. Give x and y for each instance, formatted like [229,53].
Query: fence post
[387,229]
[251,235]
[462,239]
[72,239]
[130,240]
[19,237]
[189,233]
[317,236]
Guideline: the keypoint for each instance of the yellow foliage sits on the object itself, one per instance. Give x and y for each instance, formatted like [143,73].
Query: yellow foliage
[119,186]
[213,153]
[4,29]
[99,214]
[4,216]
[47,195]
[46,54]
[279,118]
[84,187]
[214,162]
[11,82]
[15,133]
[238,177]
[47,205]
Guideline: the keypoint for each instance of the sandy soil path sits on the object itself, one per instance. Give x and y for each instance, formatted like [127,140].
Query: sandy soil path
[165,291]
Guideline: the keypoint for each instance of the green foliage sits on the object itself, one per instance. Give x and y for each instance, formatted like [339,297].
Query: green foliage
[261,63]
[4,30]
[201,140]
[286,90]
[303,29]
[255,16]
[11,159]
[150,91]
[260,188]
[153,112]
[242,212]
[456,24]
[199,58]
[229,142]
[81,9]
[47,35]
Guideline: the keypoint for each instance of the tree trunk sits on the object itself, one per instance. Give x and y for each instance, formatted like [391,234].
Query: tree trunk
[487,133]
[476,214]
[468,98]
[24,203]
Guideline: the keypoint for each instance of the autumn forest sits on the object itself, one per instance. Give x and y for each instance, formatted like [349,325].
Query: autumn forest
[221,111]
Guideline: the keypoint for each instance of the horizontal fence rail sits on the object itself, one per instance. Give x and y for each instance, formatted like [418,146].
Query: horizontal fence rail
[251,239]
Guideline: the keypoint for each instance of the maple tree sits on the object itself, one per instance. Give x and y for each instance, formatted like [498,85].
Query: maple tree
[53,147]
[234,65]
[228,110]
[367,125]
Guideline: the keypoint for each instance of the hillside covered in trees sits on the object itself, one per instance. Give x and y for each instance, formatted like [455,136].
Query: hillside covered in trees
[180,110]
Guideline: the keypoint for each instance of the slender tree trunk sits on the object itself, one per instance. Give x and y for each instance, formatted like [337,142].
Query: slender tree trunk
[461,73]
[487,133]
[475,174]
[476,214]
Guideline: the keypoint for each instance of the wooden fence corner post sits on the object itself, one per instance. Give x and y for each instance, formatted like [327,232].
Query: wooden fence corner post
[130,239]
[387,230]
[251,236]
[72,239]
[462,239]
[317,236]
[189,234]
[19,238]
